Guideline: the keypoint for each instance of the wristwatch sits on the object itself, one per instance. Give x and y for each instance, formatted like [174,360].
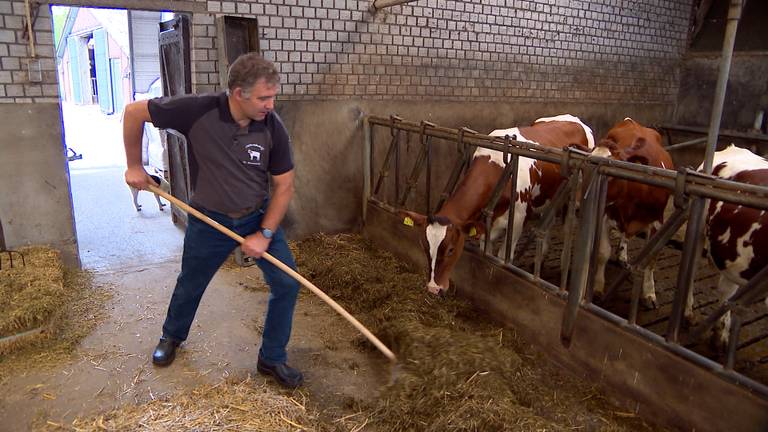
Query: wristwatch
[267,233]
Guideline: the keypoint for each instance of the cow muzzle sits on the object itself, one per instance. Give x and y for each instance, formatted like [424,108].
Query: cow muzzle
[436,289]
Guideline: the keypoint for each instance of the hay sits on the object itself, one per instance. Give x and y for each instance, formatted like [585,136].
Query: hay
[229,405]
[30,294]
[458,371]
[78,308]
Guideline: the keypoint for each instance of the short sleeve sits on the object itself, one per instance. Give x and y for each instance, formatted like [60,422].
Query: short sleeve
[281,157]
[178,112]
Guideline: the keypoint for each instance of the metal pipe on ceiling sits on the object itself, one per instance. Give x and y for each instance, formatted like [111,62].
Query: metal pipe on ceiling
[377,5]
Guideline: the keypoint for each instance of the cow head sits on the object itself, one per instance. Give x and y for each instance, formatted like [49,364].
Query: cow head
[442,242]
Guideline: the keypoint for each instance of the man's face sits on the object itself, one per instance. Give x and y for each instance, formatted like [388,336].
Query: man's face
[257,101]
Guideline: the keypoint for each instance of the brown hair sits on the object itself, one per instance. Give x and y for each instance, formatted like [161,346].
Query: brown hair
[248,69]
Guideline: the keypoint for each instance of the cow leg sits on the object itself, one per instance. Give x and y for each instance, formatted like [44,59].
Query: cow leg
[623,247]
[160,204]
[725,288]
[135,193]
[603,254]
[688,312]
[649,287]
[517,226]
[498,229]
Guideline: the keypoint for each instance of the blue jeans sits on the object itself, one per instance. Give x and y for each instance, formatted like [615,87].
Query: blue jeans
[205,250]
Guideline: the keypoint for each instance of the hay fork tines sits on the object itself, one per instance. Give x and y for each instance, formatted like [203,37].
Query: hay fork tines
[10,254]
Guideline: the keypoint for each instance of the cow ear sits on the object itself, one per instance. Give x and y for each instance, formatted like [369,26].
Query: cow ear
[412,218]
[473,229]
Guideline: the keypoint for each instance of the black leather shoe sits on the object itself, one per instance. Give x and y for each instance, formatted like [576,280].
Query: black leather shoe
[165,351]
[285,375]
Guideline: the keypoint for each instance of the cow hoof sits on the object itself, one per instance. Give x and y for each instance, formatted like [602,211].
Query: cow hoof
[689,321]
[649,303]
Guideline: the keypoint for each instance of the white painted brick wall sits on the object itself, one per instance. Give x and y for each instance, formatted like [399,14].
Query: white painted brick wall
[565,50]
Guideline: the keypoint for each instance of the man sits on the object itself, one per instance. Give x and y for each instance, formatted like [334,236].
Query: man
[235,143]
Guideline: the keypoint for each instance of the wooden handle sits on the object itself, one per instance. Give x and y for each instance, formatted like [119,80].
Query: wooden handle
[229,233]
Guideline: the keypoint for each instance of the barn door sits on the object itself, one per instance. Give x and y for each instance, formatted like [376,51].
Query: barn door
[103,74]
[176,75]
[73,47]
[117,84]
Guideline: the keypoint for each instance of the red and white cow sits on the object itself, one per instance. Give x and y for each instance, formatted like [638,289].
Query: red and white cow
[537,182]
[736,236]
[631,207]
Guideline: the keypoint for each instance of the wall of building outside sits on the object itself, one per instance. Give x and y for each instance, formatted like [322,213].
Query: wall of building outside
[485,65]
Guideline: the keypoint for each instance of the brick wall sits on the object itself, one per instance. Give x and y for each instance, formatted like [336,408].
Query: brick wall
[15,85]
[568,50]
[491,50]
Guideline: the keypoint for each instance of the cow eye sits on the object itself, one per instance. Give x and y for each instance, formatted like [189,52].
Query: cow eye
[449,252]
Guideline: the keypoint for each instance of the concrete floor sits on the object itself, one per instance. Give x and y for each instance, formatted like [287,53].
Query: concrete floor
[110,232]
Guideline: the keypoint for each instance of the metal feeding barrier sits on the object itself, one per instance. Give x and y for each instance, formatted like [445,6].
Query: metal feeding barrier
[9,253]
[690,190]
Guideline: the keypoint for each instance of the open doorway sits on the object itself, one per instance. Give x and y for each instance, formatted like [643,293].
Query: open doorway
[107,58]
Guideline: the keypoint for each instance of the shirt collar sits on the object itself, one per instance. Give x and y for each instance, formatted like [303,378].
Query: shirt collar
[226,115]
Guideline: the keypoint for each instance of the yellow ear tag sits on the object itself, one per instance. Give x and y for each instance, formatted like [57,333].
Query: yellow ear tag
[472,232]
[408,221]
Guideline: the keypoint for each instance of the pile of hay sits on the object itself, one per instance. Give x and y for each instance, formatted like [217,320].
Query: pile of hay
[458,370]
[30,295]
[229,405]
[45,310]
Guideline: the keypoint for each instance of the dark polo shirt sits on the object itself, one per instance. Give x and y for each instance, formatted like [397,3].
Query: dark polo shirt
[229,165]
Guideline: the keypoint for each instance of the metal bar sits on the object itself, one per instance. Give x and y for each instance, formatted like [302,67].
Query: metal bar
[461,164]
[367,163]
[745,295]
[416,171]
[570,220]
[508,246]
[428,143]
[651,248]
[688,260]
[734,13]
[599,220]
[685,144]
[498,189]
[384,172]
[724,133]
[378,5]
[733,340]
[706,186]
[585,237]
[397,165]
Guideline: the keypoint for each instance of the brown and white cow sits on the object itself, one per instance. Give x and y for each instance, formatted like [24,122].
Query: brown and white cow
[631,207]
[444,235]
[736,236]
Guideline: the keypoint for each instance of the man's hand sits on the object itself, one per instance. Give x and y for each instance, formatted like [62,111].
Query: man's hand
[138,178]
[255,245]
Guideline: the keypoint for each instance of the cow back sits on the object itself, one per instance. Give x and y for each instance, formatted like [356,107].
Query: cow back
[738,235]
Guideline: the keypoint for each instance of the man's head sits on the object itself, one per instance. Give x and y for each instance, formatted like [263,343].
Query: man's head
[253,85]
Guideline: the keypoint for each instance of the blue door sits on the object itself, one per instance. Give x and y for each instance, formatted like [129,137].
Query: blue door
[73,47]
[117,84]
[103,75]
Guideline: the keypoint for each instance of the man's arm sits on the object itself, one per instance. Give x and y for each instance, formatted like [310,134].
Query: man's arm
[136,114]
[255,244]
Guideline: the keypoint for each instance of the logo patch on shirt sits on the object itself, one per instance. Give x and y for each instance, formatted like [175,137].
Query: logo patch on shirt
[254,154]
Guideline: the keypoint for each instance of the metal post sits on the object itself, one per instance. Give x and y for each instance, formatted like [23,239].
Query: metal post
[583,246]
[734,13]
[367,163]
[692,237]
[377,5]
